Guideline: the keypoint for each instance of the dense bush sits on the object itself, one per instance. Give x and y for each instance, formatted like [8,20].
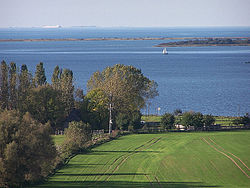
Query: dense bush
[129,121]
[192,119]
[77,136]
[208,120]
[27,151]
[244,120]
[167,121]
[122,121]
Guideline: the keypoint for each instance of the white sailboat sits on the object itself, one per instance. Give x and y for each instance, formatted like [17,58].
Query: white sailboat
[164,51]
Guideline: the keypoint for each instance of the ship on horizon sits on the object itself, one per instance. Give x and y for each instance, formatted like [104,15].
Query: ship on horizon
[51,26]
[164,51]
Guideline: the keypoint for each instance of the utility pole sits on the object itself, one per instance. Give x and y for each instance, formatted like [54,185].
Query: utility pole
[239,110]
[110,114]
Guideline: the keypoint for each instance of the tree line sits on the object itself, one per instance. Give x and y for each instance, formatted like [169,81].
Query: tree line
[31,108]
[209,41]
[188,119]
[21,91]
[196,120]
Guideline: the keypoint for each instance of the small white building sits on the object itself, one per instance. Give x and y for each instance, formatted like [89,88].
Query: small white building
[180,127]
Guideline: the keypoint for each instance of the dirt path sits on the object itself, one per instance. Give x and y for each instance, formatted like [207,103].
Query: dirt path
[216,149]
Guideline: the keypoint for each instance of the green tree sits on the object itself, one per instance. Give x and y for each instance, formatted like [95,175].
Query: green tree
[25,80]
[126,88]
[177,112]
[244,120]
[40,78]
[135,119]
[12,86]
[56,77]
[67,89]
[237,121]
[208,120]
[4,93]
[131,121]
[77,136]
[127,85]
[97,103]
[44,105]
[122,121]
[27,151]
[167,121]
[192,119]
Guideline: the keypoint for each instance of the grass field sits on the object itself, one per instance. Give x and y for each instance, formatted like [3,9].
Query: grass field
[223,121]
[151,118]
[58,139]
[214,159]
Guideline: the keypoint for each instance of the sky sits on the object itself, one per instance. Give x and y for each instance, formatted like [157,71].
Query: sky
[126,13]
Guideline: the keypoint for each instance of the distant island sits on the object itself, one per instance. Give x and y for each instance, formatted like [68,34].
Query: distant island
[239,41]
[93,39]
[182,41]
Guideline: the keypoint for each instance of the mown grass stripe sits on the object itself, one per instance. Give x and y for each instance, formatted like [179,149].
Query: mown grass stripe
[226,156]
[229,153]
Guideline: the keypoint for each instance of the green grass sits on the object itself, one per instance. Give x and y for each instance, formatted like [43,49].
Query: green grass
[222,120]
[161,160]
[58,139]
[151,118]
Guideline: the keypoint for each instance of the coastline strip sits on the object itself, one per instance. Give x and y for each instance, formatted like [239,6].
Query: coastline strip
[116,39]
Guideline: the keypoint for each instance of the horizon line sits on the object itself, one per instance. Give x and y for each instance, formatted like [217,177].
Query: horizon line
[93,26]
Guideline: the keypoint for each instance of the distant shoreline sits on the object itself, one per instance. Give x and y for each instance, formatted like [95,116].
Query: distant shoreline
[218,41]
[130,39]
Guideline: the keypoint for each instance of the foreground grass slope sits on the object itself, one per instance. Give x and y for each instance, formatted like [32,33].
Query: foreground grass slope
[161,160]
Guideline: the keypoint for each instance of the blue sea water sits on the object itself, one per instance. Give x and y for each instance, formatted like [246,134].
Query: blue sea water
[212,80]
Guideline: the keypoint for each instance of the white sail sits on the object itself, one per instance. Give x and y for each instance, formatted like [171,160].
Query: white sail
[164,51]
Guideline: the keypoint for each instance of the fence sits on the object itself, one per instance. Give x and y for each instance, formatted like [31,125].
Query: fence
[154,127]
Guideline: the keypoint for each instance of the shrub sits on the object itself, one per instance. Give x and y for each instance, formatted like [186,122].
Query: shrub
[208,120]
[167,121]
[177,112]
[244,120]
[76,137]
[192,119]
[122,121]
[135,121]
[27,151]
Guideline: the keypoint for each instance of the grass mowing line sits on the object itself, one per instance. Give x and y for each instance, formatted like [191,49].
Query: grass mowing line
[145,144]
[229,153]
[155,142]
[117,166]
[149,180]
[97,177]
[226,156]
[111,165]
[157,180]
[134,152]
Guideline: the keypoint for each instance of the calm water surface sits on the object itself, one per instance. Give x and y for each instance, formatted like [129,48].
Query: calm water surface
[212,80]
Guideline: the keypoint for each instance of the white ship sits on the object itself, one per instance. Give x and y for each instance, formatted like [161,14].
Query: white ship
[164,51]
[52,26]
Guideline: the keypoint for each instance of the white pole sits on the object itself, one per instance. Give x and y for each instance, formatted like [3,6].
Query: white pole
[110,118]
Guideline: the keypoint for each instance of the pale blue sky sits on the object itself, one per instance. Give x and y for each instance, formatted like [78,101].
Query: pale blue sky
[133,13]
